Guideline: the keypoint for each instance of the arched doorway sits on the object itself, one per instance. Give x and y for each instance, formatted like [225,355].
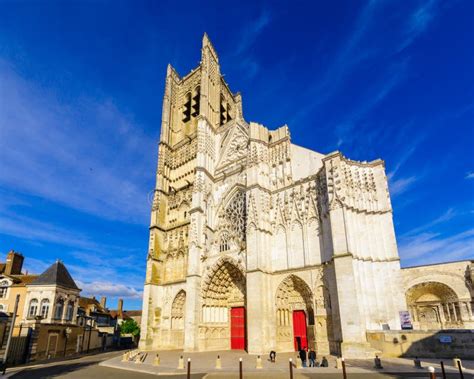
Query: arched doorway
[223,316]
[434,305]
[295,314]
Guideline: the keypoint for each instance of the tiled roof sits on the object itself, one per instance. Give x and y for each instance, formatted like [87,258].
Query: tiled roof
[56,274]
[22,280]
[125,314]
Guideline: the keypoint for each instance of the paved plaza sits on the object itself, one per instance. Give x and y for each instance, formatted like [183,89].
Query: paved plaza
[205,363]
[109,366]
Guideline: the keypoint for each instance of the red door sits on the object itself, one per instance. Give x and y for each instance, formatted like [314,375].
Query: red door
[299,330]
[237,328]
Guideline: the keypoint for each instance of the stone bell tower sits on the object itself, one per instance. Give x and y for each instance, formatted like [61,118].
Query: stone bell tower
[194,106]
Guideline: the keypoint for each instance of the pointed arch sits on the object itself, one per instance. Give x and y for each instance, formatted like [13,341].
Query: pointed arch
[224,284]
[223,292]
[292,295]
[177,310]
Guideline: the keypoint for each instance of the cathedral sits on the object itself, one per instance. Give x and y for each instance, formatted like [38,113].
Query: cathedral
[259,244]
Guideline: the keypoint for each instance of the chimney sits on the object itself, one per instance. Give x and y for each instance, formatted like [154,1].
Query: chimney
[14,263]
[103,301]
[120,307]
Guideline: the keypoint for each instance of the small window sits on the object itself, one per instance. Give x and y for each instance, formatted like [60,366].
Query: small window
[69,311]
[58,313]
[44,310]
[224,242]
[33,308]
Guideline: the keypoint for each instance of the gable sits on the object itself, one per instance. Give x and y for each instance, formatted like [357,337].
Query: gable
[235,146]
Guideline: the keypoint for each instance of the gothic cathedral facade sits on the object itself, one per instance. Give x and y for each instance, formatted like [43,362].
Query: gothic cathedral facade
[257,243]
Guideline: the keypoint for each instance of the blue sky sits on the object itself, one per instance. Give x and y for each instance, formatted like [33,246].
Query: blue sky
[81,85]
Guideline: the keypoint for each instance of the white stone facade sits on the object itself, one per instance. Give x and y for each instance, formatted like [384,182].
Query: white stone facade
[244,219]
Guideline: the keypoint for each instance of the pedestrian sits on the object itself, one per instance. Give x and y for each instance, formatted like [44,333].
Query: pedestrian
[324,362]
[303,357]
[312,358]
[272,356]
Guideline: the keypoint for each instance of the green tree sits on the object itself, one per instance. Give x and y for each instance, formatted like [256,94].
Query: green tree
[130,326]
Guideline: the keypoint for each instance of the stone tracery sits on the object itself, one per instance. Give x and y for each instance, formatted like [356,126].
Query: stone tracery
[232,223]
[177,310]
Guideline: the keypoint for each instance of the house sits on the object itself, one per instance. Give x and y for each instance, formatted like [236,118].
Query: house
[12,283]
[121,315]
[53,296]
[98,313]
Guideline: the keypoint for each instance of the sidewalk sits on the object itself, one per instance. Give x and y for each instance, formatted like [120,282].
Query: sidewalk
[205,362]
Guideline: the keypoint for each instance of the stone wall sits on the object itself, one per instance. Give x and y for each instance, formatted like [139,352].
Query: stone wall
[424,344]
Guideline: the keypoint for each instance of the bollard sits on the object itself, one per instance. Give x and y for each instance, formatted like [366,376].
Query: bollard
[156,361]
[417,363]
[188,376]
[259,362]
[240,368]
[125,357]
[378,363]
[218,362]
[461,375]
[138,359]
[344,374]
[442,370]
[431,370]
[181,363]
[298,362]
[291,368]
[339,363]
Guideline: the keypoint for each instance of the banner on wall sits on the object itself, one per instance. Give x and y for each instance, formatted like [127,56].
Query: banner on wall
[405,320]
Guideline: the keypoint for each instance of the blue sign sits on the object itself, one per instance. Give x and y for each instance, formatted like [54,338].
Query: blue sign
[445,339]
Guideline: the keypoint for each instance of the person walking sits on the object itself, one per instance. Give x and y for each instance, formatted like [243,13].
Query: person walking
[312,358]
[303,357]
[273,356]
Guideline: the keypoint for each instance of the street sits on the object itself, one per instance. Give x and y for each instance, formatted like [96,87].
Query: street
[85,367]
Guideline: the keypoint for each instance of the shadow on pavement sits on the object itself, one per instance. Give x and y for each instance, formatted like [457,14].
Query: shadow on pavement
[52,371]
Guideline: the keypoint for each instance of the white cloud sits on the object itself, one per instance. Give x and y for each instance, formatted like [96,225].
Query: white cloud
[434,247]
[399,186]
[87,155]
[109,289]
[251,32]
[469,175]
[418,22]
